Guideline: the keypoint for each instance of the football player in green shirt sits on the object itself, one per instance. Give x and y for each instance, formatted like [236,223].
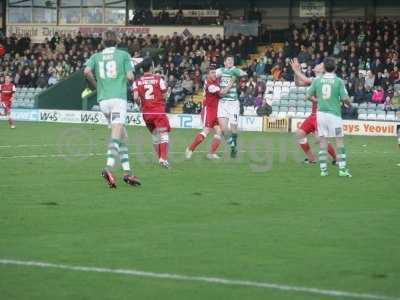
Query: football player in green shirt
[228,105]
[109,71]
[330,91]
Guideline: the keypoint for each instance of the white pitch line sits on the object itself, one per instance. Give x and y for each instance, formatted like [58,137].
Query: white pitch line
[52,145]
[205,279]
[57,155]
[40,145]
[50,155]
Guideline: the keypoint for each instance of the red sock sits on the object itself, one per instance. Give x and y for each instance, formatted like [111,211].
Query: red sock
[197,140]
[215,144]
[305,147]
[331,151]
[163,150]
[308,152]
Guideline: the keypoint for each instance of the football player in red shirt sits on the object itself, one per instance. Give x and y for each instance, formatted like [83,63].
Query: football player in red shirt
[212,91]
[7,90]
[151,89]
[309,125]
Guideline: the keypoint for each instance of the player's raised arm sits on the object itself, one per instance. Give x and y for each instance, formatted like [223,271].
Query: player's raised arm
[164,88]
[299,77]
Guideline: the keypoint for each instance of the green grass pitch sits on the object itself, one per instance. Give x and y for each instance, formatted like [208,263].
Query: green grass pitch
[263,217]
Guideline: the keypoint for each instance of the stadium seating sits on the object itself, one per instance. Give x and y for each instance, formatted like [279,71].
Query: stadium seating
[390,116]
[287,100]
[25,97]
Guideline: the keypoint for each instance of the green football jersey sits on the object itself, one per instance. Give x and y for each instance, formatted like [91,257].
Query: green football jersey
[110,67]
[329,90]
[225,76]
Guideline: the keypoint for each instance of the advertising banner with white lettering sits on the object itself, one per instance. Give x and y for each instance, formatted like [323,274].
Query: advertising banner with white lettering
[250,123]
[189,13]
[356,127]
[185,121]
[246,123]
[84,117]
[312,8]
[38,33]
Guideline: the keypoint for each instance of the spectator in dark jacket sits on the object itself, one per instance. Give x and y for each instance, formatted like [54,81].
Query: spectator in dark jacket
[26,78]
[368,93]
[42,80]
[359,95]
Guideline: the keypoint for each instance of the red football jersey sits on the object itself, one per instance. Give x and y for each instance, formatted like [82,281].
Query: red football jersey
[151,88]
[7,91]
[211,91]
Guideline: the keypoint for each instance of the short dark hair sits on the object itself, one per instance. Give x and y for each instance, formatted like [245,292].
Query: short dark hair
[146,65]
[229,55]
[110,38]
[329,64]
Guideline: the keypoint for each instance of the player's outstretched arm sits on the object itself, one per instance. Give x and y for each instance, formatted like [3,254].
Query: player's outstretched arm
[300,81]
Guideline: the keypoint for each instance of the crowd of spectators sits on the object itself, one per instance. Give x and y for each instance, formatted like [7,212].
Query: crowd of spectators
[183,61]
[147,17]
[367,55]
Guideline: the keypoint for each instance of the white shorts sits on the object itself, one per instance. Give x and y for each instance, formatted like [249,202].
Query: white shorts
[114,110]
[230,110]
[329,125]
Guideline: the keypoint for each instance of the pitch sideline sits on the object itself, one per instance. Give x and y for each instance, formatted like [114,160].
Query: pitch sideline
[204,279]
[57,155]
